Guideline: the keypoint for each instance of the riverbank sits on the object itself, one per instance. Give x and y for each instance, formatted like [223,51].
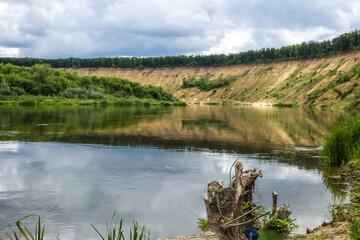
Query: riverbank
[329,82]
[337,229]
[31,101]
[343,226]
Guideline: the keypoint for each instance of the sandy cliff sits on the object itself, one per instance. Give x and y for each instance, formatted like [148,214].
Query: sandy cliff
[301,82]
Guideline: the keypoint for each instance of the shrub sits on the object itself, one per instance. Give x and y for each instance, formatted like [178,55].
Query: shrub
[343,143]
[83,93]
[4,88]
[337,210]
[42,80]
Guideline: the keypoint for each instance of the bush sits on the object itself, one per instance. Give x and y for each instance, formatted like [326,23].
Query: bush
[337,210]
[343,144]
[280,225]
[83,93]
[4,88]
[42,80]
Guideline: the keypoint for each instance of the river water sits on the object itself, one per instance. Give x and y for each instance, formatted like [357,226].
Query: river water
[75,166]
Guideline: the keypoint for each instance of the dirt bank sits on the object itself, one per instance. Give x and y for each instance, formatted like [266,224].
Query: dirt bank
[287,82]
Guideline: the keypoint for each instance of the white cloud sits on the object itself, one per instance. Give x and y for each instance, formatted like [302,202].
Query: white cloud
[233,41]
[11,52]
[89,28]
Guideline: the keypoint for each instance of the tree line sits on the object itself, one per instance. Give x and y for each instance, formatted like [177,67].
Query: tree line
[312,49]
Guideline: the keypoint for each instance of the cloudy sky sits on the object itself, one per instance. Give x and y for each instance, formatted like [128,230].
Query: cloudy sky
[109,28]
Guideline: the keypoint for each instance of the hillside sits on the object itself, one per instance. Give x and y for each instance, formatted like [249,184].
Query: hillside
[331,81]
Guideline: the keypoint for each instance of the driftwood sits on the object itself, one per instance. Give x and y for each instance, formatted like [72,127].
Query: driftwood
[230,210]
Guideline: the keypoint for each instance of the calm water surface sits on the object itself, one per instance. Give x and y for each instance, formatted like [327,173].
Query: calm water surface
[76,166]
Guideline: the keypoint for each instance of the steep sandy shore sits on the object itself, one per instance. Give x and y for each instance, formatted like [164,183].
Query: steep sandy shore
[286,82]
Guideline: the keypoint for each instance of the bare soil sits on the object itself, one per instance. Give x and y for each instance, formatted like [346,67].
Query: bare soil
[337,230]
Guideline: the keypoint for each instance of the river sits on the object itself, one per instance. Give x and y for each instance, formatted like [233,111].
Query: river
[75,166]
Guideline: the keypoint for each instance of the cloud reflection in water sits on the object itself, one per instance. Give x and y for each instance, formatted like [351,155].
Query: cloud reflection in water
[72,186]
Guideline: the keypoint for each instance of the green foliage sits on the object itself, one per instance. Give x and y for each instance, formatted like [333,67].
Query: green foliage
[355,199]
[343,144]
[83,93]
[42,80]
[115,230]
[4,88]
[206,85]
[268,234]
[245,205]
[354,229]
[202,223]
[343,43]
[337,210]
[219,189]
[280,225]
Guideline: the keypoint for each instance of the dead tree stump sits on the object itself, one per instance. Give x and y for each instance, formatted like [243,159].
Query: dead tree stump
[231,210]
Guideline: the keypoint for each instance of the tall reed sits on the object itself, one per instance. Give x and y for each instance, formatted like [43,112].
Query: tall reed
[115,230]
[343,143]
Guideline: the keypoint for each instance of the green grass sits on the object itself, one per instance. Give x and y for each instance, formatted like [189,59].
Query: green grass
[31,101]
[20,230]
[343,143]
[340,79]
[354,229]
[115,230]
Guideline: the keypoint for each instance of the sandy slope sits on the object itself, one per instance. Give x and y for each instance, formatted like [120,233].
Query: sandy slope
[288,82]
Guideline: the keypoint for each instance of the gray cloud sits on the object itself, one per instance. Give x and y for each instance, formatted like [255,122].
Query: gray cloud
[89,28]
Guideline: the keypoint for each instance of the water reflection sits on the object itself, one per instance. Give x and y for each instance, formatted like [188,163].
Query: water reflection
[193,126]
[72,186]
[157,163]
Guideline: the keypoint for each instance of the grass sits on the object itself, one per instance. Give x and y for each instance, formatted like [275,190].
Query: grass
[342,147]
[354,229]
[343,143]
[21,230]
[340,79]
[29,101]
[114,230]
